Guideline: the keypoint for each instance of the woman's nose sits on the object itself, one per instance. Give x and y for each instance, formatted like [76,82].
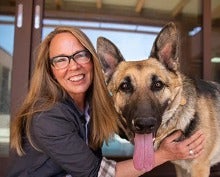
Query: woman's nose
[73,64]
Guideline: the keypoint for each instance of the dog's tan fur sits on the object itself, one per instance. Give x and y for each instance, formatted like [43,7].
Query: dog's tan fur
[162,98]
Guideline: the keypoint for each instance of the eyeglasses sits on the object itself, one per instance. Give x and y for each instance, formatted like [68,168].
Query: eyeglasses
[62,61]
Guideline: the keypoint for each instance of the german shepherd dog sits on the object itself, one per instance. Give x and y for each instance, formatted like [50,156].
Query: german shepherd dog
[154,98]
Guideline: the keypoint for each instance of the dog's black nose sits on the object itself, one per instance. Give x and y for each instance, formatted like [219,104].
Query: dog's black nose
[144,124]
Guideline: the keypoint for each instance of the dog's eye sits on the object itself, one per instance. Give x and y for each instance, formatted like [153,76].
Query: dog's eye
[157,85]
[126,87]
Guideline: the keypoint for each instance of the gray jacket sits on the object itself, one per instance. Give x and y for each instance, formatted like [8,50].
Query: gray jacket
[60,134]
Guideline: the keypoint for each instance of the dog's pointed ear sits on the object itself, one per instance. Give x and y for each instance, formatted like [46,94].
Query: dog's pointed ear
[109,56]
[166,47]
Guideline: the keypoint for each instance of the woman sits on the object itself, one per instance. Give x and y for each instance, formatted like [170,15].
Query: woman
[68,114]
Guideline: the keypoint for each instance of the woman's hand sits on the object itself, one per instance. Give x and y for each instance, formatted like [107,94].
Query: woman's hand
[189,148]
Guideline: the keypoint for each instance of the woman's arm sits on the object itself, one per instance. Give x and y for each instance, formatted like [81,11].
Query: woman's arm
[61,139]
[169,150]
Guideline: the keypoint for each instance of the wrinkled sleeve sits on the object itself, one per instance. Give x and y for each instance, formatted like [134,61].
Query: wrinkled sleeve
[58,137]
[107,168]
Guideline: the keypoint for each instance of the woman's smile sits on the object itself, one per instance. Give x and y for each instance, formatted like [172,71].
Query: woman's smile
[77,78]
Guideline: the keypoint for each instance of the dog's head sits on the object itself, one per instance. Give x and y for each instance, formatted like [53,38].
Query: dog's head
[143,90]
[146,92]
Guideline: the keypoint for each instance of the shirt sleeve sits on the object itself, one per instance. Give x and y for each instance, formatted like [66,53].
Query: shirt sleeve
[107,168]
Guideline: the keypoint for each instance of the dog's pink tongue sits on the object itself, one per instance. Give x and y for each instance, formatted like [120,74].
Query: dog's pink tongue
[143,156]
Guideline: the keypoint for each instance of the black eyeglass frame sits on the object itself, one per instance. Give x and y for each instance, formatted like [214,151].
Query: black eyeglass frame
[51,60]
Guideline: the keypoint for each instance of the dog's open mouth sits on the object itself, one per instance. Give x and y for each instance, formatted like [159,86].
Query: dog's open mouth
[143,156]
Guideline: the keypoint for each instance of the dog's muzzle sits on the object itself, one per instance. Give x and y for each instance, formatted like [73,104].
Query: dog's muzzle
[144,125]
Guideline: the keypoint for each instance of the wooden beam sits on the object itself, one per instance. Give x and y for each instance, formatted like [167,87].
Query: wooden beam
[207,32]
[21,70]
[99,4]
[12,2]
[179,7]
[59,4]
[139,5]
[216,12]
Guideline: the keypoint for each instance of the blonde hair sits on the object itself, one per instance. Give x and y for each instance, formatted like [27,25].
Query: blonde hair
[44,92]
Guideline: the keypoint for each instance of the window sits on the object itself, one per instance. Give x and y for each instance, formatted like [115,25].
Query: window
[6,54]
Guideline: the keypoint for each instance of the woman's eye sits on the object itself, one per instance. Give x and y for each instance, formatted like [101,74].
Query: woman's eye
[61,59]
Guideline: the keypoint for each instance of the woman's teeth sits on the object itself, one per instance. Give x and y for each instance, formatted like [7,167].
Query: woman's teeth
[76,78]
